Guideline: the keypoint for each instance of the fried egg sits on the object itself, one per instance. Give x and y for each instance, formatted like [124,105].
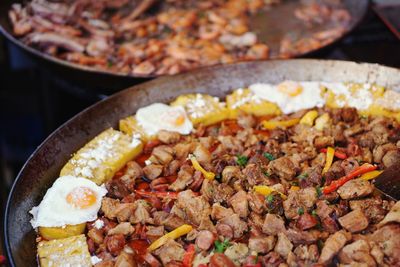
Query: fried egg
[160,116]
[290,96]
[70,201]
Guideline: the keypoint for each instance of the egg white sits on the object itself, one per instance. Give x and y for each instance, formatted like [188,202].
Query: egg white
[55,211]
[154,118]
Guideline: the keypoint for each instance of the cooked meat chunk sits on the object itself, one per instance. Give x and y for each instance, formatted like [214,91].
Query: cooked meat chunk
[172,221]
[388,240]
[124,228]
[333,245]
[237,253]
[306,221]
[247,121]
[373,208]
[170,251]
[238,226]
[391,157]
[273,224]
[182,150]
[323,141]
[205,239]
[283,245]
[302,199]
[380,151]
[354,221]
[184,178]
[355,188]
[141,213]
[261,244]
[231,173]
[218,212]
[284,168]
[323,210]
[154,232]
[117,189]
[240,204]
[392,216]
[224,230]
[125,259]
[358,251]
[152,171]
[256,202]
[303,237]
[306,253]
[163,154]
[195,208]
[253,174]
[202,154]
[168,137]
[115,243]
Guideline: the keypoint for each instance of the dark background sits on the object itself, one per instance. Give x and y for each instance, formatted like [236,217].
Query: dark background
[33,102]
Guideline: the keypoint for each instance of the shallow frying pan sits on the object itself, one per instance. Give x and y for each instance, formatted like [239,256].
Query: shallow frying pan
[43,167]
[270,26]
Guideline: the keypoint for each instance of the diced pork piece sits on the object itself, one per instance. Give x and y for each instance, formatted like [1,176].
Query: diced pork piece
[124,228]
[301,199]
[154,232]
[141,213]
[307,253]
[387,237]
[205,239]
[354,221]
[253,174]
[218,212]
[182,150]
[224,230]
[231,173]
[172,221]
[202,154]
[373,208]
[333,245]
[195,208]
[355,188]
[152,171]
[108,206]
[272,259]
[238,226]
[256,202]
[240,204]
[323,209]
[303,237]
[125,259]
[237,253]
[163,154]
[262,244]
[184,178]
[170,251]
[168,137]
[283,245]
[391,157]
[358,251]
[273,224]
[392,216]
[306,221]
[284,168]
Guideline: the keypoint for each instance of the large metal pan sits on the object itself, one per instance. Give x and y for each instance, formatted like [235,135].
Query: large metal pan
[43,167]
[269,25]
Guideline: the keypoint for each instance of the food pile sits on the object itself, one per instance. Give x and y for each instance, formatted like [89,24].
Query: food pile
[174,36]
[262,179]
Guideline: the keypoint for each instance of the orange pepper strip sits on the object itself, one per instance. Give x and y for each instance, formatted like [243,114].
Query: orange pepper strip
[330,152]
[366,167]
[270,125]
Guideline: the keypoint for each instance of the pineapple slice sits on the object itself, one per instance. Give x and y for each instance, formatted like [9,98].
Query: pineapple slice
[103,156]
[246,101]
[51,233]
[71,251]
[202,109]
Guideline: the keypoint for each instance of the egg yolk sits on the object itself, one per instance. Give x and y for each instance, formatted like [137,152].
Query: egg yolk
[81,197]
[290,88]
[174,117]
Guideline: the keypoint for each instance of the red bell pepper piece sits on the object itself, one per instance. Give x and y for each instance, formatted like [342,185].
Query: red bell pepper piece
[366,167]
[188,257]
[338,154]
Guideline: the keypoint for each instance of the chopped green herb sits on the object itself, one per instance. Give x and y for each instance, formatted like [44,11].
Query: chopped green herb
[242,160]
[269,156]
[320,244]
[270,198]
[323,180]
[319,191]
[221,246]
[266,173]
[256,259]
[110,64]
[300,211]
[295,183]
[314,213]
[303,176]
[218,177]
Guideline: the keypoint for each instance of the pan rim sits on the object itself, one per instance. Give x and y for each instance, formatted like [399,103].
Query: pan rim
[145,85]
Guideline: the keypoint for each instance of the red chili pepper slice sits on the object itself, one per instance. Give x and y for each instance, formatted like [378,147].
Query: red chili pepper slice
[366,167]
[338,154]
[188,257]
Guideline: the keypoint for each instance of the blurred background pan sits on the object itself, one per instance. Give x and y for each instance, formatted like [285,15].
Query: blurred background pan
[269,25]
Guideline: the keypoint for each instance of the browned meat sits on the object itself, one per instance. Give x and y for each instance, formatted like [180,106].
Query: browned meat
[380,151]
[330,225]
[182,150]
[168,137]
[349,165]
[393,216]
[273,224]
[323,141]
[237,252]
[388,240]
[96,235]
[231,173]
[194,208]
[125,259]
[67,42]
[108,206]
[154,232]
[163,154]
[355,188]
[261,244]
[306,253]
[170,251]
[358,251]
[240,204]
[391,157]
[373,208]
[124,228]
[151,260]
[333,245]
[306,221]
[272,259]
[116,188]
[152,171]
[141,213]
[303,237]
[323,210]
[354,221]
[253,174]
[283,245]
[172,221]
[256,202]
[115,243]
[185,175]
[238,226]
[202,154]
[205,239]
[313,177]
[284,168]
[220,260]
[224,230]
[302,199]
[218,212]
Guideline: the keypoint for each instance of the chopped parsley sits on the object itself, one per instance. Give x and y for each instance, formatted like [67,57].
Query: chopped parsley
[242,160]
[269,156]
[300,211]
[270,198]
[320,244]
[109,63]
[303,176]
[221,246]
[266,173]
[319,191]
[314,213]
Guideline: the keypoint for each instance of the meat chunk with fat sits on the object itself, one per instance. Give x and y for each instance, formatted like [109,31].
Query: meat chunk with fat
[170,251]
[238,226]
[168,137]
[205,239]
[387,237]
[218,212]
[301,199]
[125,259]
[355,188]
[152,171]
[373,208]
[307,253]
[283,245]
[240,204]
[154,232]
[393,216]
[262,244]
[124,228]
[195,208]
[273,224]
[333,245]
[354,221]
[284,168]
[163,154]
[358,251]
[184,178]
